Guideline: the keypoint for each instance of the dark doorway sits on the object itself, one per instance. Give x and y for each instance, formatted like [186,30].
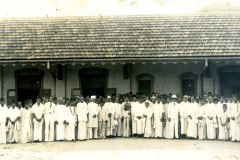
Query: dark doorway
[230,83]
[28,87]
[93,84]
[188,87]
[145,87]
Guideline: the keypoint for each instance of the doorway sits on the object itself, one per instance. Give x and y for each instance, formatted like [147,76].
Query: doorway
[145,87]
[93,81]
[28,84]
[230,83]
[188,87]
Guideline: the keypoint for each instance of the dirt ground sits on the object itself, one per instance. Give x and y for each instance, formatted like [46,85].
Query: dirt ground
[123,148]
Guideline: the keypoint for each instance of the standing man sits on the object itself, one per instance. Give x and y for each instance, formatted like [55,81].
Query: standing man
[26,124]
[101,120]
[13,123]
[49,120]
[110,111]
[201,120]
[82,112]
[192,119]
[20,121]
[173,115]
[158,116]
[138,117]
[232,114]
[38,111]
[211,112]
[60,120]
[184,117]
[147,114]
[92,124]
[71,120]
[134,105]
[118,118]
[126,106]
[3,120]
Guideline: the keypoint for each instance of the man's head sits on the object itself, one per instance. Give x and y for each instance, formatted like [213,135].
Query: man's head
[146,104]
[192,99]
[154,99]
[26,106]
[60,100]
[19,105]
[158,99]
[51,99]
[117,100]
[108,98]
[235,99]
[230,100]
[210,99]
[202,102]
[174,98]
[13,104]
[185,98]
[81,99]
[38,100]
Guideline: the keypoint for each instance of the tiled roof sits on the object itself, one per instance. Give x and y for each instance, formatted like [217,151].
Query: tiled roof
[198,35]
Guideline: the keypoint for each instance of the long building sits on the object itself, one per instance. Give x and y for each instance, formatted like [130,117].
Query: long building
[68,56]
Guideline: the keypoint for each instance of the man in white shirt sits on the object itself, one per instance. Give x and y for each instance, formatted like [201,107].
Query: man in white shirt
[192,119]
[38,111]
[3,119]
[92,124]
[13,123]
[70,120]
[173,115]
[101,120]
[134,105]
[211,112]
[60,120]
[49,120]
[138,116]
[184,117]
[232,114]
[126,107]
[118,118]
[82,112]
[110,111]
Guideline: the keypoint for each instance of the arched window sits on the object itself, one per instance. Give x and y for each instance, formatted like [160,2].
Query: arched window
[188,84]
[145,83]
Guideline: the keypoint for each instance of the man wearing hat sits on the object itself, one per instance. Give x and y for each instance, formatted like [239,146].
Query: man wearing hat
[173,115]
[158,115]
[82,112]
[60,120]
[184,117]
[38,111]
[211,112]
[3,119]
[92,124]
[110,111]
[192,119]
[49,120]
[13,115]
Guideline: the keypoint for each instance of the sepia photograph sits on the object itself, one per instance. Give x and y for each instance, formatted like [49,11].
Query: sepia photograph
[120,79]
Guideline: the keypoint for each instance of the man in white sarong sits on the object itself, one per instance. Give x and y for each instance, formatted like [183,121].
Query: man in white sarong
[101,120]
[82,111]
[158,116]
[192,119]
[173,115]
[26,124]
[118,118]
[219,113]
[184,117]
[232,114]
[92,124]
[126,113]
[147,120]
[201,120]
[20,121]
[38,111]
[138,116]
[3,120]
[13,123]
[110,111]
[166,128]
[211,112]
[71,120]
[223,123]
[49,120]
[134,105]
[60,119]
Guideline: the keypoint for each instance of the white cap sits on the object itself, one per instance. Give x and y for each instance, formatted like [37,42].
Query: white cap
[93,97]
[108,96]
[174,96]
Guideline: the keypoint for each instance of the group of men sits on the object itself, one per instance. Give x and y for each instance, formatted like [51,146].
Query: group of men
[161,116]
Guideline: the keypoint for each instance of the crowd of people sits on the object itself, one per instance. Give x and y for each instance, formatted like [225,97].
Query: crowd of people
[157,116]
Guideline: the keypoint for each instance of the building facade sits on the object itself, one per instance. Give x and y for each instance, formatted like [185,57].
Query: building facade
[64,57]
